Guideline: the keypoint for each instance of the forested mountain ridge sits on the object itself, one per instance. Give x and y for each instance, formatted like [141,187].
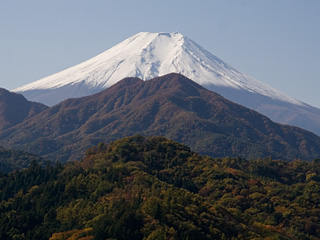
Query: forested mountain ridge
[155,188]
[172,106]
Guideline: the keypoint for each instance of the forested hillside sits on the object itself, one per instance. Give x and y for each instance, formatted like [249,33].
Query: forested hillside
[155,188]
[172,106]
[13,159]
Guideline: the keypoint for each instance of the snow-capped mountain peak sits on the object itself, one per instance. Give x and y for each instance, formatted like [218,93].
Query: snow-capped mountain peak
[148,55]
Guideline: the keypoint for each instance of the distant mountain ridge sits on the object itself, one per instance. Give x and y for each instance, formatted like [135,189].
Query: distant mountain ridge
[14,109]
[172,106]
[148,55]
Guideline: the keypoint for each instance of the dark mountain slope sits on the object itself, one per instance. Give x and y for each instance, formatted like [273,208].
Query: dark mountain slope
[14,109]
[171,106]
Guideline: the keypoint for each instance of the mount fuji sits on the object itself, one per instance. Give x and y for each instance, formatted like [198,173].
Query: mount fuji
[148,55]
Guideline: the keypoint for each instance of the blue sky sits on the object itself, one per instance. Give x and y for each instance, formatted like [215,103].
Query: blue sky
[275,41]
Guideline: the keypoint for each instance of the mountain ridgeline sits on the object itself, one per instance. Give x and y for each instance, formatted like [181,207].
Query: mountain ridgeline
[155,188]
[172,106]
[14,109]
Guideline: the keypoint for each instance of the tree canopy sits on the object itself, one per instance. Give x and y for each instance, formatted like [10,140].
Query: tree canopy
[155,188]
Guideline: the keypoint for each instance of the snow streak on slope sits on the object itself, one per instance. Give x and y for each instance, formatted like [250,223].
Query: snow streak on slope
[148,55]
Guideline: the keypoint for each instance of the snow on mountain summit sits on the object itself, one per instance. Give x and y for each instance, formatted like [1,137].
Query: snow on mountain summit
[146,55]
